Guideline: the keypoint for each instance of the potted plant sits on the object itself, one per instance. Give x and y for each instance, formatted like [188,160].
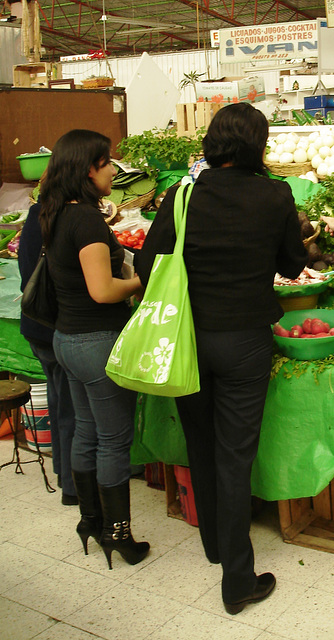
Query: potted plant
[191,78]
[160,150]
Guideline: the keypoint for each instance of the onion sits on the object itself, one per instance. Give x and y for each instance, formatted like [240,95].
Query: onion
[322,169]
[311,152]
[316,160]
[285,157]
[303,144]
[318,143]
[324,152]
[328,140]
[282,137]
[273,157]
[300,155]
[279,149]
[313,136]
[310,175]
[289,146]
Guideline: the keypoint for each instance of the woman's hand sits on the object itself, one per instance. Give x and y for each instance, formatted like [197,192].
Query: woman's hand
[329,220]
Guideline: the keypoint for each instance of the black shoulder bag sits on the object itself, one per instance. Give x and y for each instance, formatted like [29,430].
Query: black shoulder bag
[39,300]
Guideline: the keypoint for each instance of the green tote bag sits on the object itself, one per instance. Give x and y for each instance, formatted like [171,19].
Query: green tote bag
[156,351]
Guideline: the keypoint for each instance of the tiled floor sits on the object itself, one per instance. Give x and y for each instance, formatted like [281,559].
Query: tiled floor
[51,591]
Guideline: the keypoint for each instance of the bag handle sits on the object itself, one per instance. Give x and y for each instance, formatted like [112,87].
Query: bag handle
[180,215]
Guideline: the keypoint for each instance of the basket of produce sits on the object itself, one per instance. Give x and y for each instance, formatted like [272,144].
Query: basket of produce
[303,292]
[289,168]
[13,220]
[289,154]
[137,202]
[306,334]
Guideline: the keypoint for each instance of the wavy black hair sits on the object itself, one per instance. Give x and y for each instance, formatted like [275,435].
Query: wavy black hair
[67,177]
[237,134]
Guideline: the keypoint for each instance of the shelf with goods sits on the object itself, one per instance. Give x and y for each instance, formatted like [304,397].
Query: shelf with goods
[36,75]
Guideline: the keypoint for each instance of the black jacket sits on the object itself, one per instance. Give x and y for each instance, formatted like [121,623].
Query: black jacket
[241,229]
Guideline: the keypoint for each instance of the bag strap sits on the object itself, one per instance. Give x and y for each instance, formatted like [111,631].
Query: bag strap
[180,215]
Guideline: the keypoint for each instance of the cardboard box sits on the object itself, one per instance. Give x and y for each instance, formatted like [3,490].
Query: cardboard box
[244,90]
[313,102]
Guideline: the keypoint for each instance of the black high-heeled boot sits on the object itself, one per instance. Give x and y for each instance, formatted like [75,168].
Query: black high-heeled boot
[116,533]
[90,508]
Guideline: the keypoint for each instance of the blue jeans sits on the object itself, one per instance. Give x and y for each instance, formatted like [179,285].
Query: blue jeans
[104,412]
[61,414]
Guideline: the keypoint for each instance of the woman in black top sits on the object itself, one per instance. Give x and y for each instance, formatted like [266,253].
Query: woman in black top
[85,261]
[241,229]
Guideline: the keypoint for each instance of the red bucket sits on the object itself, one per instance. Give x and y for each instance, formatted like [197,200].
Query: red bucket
[186,495]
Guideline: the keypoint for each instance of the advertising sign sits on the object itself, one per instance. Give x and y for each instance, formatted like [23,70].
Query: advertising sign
[278,41]
[330,12]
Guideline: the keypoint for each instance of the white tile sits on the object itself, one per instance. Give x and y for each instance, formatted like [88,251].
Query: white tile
[60,590]
[61,631]
[18,622]
[176,575]
[125,612]
[259,614]
[291,562]
[19,564]
[273,636]
[192,624]
[308,618]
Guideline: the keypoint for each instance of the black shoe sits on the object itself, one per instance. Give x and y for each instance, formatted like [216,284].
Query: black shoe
[89,502]
[69,500]
[116,533]
[265,584]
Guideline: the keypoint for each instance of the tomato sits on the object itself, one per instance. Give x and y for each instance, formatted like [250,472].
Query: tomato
[126,233]
[116,233]
[121,239]
[131,241]
[139,244]
[140,233]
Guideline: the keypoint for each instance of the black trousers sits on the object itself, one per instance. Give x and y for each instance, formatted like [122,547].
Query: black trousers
[222,426]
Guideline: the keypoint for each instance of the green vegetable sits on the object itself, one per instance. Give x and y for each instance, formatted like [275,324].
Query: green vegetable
[10,217]
[165,146]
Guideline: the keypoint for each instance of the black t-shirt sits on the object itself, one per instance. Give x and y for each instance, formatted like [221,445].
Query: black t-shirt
[77,226]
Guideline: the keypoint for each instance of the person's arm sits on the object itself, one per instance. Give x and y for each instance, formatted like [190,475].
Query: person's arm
[292,256]
[329,228]
[160,238]
[102,287]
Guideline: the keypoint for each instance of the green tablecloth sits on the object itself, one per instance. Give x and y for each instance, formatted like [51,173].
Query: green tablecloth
[15,353]
[296,450]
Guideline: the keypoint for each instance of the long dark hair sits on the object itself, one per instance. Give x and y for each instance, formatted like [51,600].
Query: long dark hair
[67,174]
[237,134]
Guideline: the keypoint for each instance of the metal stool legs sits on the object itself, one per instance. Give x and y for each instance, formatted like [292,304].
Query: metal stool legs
[13,395]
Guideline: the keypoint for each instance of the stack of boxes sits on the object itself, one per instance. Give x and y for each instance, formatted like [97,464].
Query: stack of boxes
[323,104]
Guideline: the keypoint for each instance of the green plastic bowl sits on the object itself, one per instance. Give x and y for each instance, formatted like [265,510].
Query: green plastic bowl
[306,348]
[32,165]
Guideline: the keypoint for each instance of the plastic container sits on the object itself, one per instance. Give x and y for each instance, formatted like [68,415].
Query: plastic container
[33,165]
[306,348]
[186,494]
[42,420]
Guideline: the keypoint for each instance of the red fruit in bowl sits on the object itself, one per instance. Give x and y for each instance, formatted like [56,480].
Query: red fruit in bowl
[331,331]
[307,325]
[327,326]
[323,334]
[317,326]
[280,331]
[307,335]
[296,331]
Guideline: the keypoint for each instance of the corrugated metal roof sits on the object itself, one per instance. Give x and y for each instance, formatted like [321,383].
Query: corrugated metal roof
[125,27]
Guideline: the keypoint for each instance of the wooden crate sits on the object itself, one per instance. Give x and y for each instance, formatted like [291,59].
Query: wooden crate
[309,522]
[98,83]
[193,116]
[36,74]
[172,499]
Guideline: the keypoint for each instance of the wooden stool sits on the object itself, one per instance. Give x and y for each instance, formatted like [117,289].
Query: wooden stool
[13,395]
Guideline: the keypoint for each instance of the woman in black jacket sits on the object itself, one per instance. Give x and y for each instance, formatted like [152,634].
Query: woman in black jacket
[241,229]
